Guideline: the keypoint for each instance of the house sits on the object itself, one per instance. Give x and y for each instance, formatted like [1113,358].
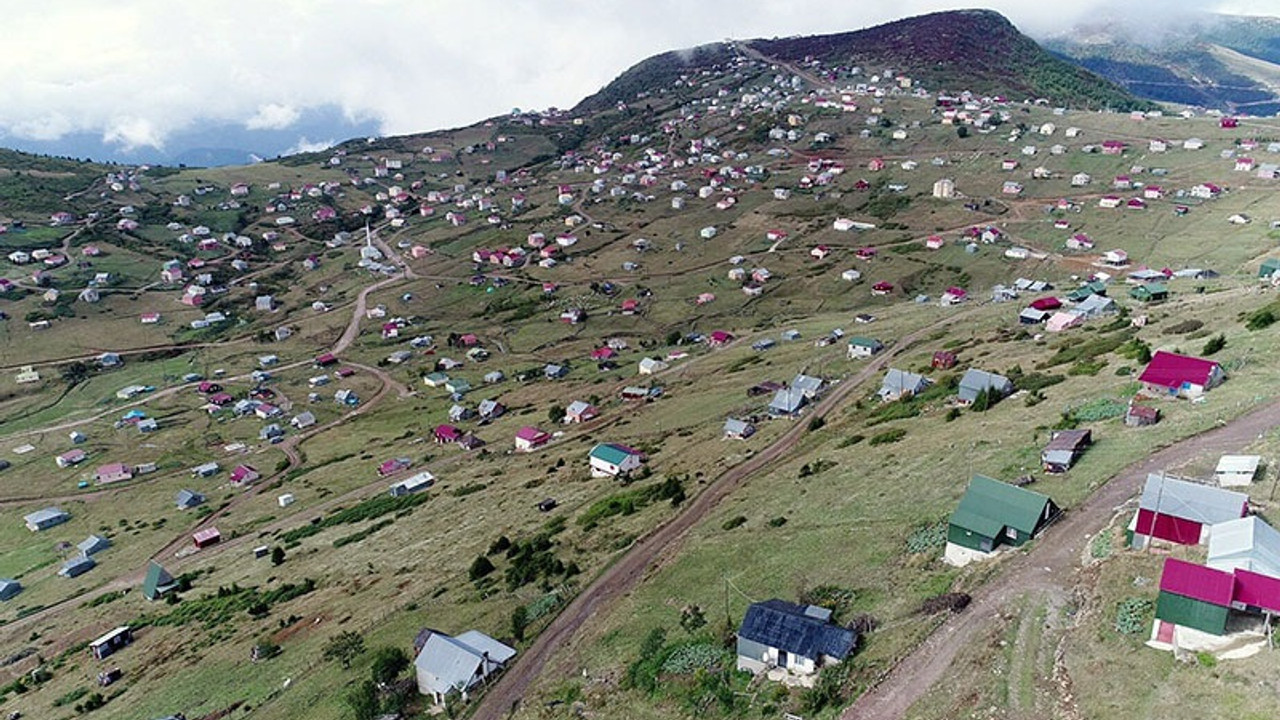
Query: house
[9,588]
[1080,179]
[787,402]
[412,484]
[1139,415]
[992,514]
[863,347]
[187,499]
[1247,543]
[1236,470]
[77,566]
[243,475]
[650,366]
[900,384]
[975,382]
[1095,306]
[446,434]
[612,460]
[580,412]
[1176,375]
[206,537]
[529,438]
[798,640]
[158,582]
[111,642]
[944,189]
[554,371]
[303,420]
[92,545]
[1192,596]
[1061,321]
[45,519]
[113,472]
[1064,448]
[1182,512]
[205,470]
[446,665]
[1150,292]
[735,429]
[71,457]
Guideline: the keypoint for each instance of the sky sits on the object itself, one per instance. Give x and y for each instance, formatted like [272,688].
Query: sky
[138,71]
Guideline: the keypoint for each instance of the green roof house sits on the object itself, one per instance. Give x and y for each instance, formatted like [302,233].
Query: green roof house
[158,582]
[991,514]
[1150,292]
[863,347]
[1270,267]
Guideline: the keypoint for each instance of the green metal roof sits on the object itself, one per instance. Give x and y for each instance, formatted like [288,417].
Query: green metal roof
[611,453]
[1185,611]
[989,506]
[860,341]
[157,583]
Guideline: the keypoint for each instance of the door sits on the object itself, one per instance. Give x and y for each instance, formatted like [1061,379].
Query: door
[782,658]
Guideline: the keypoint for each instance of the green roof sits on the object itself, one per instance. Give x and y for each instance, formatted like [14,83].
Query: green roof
[1269,266]
[158,582]
[989,506]
[1188,612]
[611,453]
[861,341]
[1149,290]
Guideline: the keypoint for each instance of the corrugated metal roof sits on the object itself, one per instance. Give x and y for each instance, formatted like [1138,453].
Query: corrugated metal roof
[974,381]
[1170,370]
[785,626]
[1238,465]
[989,506]
[1197,582]
[1258,590]
[1248,543]
[1191,501]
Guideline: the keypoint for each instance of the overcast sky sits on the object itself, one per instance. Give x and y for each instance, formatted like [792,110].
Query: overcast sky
[137,70]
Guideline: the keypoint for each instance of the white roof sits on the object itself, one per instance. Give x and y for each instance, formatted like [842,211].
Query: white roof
[1238,465]
[1204,504]
[447,663]
[1247,543]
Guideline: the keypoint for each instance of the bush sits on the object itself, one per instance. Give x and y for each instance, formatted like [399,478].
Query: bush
[277,555]
[480,567]
[1133,615]
[1261,319]
[777,522]
[816,423]
[344,647]
[955,602]
[734,522]
[1214,344]
[927,538]
[888,436]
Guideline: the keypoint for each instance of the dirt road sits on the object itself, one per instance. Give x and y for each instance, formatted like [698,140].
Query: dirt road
[1049,566]
[627,572]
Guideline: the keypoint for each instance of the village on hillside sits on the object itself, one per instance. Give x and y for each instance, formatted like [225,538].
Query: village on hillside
[390,407]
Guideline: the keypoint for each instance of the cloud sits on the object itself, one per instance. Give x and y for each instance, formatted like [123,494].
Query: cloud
[273,116]
[136,71]
[307,146]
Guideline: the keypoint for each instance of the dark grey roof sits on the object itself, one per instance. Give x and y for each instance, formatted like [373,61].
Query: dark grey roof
[788,627]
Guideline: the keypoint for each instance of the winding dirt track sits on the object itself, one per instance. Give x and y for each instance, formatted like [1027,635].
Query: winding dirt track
[624,575]
[1048,567]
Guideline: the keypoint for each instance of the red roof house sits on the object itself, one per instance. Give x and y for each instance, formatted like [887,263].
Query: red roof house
[529,438]
[205,538]
[1197,582]
[326,359]
[1046,303]
[243,475]
[718,338]
[445,434]
[1180,375]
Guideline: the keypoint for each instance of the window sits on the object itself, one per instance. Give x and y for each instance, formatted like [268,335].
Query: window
[1011,533]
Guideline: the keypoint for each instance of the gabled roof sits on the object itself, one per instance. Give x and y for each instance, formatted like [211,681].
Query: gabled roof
[1248,543]
[613,453]
[789,627]
[1069,440]
[1170,370]
[1203,504]
[158,581]
[897,382]
[989,506]
[93,544]
[448,663]
[1197,582]
[974,381]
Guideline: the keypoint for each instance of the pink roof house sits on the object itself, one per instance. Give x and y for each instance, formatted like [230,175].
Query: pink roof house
[113,472]
[243,475]
[446,434]
[529,438]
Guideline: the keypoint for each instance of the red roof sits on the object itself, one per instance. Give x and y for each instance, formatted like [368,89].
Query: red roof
[1171,370]
[1197,582]
[448,432]
[1257,590]
[1046,303]
[532,434]
[206,536]
[326,359]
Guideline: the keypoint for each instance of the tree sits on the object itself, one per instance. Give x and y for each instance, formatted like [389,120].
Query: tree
[1215,344]
[962,132]
[519,621]
[388,663]
[363,701]
[480,567]
[344,647]
[981,402]
[692,619]
[277,555]
[555,413]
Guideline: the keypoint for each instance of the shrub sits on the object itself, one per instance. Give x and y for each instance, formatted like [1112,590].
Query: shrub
[344,647]
[480,567]
[1261,319]
[955,602]
[1214,344]
[888,436]
[927,538]
[734,522]
[816,423]
[777,522]
[1133,615]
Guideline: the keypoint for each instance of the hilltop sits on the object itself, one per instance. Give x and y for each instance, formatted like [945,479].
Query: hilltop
[964,50]
[1227,62]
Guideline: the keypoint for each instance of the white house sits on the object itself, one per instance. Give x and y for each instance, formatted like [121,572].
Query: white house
[447,664]
[612,460]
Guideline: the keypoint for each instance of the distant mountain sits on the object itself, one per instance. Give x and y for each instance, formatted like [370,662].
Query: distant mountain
[210,144]
[1227,62]
[976,50]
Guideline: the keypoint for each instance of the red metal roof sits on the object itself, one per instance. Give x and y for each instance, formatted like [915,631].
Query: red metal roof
[1197,582]
[1257,590]
[1170,370]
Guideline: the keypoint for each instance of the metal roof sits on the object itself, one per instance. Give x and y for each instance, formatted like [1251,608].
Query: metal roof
[1248,543]
[1204,504]
[989,506]
[974,381]
[447,663]
[788,627]
[1197,582]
